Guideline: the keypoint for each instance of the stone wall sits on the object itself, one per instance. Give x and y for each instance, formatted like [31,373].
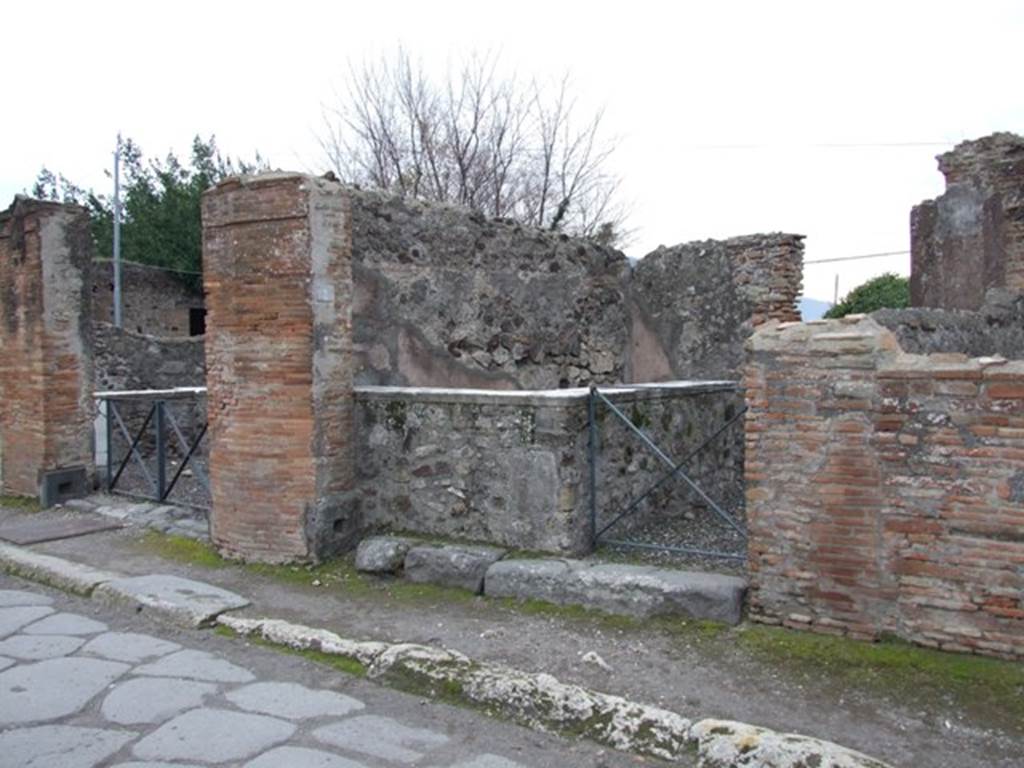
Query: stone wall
[448,298]
[997,328]
[126,360]
[46,361]
[693,306]
[445,297]
[155,302]
[277,270]
[885,490]
[971,238]
[512,468]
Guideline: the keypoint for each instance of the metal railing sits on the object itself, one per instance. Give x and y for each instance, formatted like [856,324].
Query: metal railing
[168,439]
[676,471]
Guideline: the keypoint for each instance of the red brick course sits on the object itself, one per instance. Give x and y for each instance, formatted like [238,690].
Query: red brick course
[45,338]
[277,273]
[885,491]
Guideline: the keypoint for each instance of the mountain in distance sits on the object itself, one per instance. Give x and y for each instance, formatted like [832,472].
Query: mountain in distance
[813,309]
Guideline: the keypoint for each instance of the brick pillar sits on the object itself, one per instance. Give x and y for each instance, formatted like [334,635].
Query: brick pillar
[46,343]
[277,271]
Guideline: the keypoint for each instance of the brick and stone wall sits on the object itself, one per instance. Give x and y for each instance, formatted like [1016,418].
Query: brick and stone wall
[277,270]
[45,344]
[155,302]
[971,238]
[693,306]
[512,468]
[885,490]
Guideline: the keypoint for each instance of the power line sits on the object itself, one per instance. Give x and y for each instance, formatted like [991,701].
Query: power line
[858,257]
[152,266]
[832,145]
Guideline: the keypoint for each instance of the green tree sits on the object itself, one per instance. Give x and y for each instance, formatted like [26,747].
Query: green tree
[884,291]
[160,203]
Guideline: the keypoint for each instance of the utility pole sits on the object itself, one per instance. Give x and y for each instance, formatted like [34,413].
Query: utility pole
[118,322]
[835,294]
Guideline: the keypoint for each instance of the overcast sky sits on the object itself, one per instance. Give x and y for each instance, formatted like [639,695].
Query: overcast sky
[820,118]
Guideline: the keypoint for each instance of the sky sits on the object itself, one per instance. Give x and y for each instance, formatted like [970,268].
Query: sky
[819,118]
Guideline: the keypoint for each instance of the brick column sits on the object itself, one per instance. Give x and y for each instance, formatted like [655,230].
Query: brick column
[277,272]
[45,350]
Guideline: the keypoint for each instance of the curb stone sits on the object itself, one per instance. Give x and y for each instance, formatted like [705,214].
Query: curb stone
[175,600]
[54,571]
[540,701]
[724,743]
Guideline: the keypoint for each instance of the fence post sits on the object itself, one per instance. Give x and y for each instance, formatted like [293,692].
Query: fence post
[592,420]
[161,452]
[108,425]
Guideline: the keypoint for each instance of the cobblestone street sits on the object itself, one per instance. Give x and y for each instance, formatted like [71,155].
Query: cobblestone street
[80,689]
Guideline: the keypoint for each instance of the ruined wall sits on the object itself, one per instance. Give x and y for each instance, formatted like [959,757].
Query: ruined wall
[885,491]
[971,238]
[126,360]
[277,258]
[694,305]
[446,297]
[512,468]
[46,363]
[155,302]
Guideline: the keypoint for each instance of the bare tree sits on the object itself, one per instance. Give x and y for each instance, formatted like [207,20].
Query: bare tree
[477,138]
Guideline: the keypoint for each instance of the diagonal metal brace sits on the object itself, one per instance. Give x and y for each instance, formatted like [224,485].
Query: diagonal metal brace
[671,473]
[184,462]
[676,469]
[187,449]
[133,443]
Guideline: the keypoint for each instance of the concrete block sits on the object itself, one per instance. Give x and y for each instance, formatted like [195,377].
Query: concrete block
[631,590]
[173,599]
[451,566]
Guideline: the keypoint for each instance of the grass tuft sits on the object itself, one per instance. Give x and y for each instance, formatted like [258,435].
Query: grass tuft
[20,503]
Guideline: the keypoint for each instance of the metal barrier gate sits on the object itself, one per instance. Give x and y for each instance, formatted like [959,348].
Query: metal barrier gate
[676,471]
[161,450]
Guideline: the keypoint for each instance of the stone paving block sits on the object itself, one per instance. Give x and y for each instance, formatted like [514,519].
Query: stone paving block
[65,624]
[451,565]
[13,619]
[54,688]
[196,665]
[55,571]
[180,601]
[5,663]
[153,700]
[213,736]
[151,764]
[38,647]
[300,757]
[631,590]
[12,597]
[292,701]
[381,737]
[60,746]
[488,761]
[382,554]
[129,646]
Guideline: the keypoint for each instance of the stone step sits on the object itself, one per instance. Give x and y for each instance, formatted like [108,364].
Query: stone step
[630,590]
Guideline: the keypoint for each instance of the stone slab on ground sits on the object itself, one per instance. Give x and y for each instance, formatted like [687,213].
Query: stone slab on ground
[36,529]
[213,736]
[630,590]
[55,571]
[727,744]
[179,601]
[67,746]
[451,565]
[382,554]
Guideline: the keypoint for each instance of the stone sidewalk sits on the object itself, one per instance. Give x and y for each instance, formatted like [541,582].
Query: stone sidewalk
[80,689]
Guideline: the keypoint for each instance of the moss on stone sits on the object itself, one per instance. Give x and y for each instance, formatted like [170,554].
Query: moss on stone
[20,503]
[895,666]
[345,664]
